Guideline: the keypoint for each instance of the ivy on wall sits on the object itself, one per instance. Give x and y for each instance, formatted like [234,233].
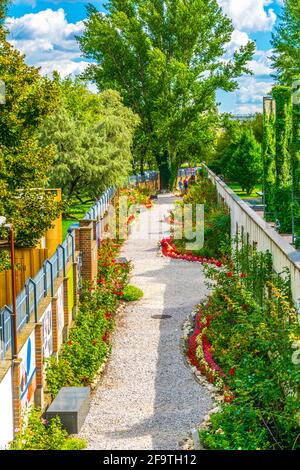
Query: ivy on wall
[283,180]
[295,155]
[268,149]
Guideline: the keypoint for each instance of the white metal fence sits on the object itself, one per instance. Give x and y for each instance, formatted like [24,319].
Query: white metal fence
[246,220]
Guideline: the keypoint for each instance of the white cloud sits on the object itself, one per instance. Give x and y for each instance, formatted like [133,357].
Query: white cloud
[250,15]
[238,39]
[25,2]
[48,41]
[261,63]
[248,109]
[252,91]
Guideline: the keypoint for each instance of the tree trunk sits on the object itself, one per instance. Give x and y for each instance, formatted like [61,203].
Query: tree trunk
[164,170]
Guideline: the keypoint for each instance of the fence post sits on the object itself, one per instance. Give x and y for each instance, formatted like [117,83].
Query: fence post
[39,392]
[55,339]
[16,394]
[66,306]
[88,248]
[75,289]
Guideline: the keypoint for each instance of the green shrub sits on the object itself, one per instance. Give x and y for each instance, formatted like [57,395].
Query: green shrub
[216,221]
[132,293]
[236,428]
[85,350]
[253,332]
[40,434]
[88,344]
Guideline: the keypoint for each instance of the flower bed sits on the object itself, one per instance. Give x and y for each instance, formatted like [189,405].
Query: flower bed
[89,342]
[170,250]
[199,353]
[243,341]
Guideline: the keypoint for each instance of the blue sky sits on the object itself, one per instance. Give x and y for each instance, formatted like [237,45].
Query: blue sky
[44,30]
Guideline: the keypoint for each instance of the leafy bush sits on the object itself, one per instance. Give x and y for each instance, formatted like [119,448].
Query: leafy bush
[236,428]
[250,330]
[216,221]
[132,293]
[40,434]
[88,344]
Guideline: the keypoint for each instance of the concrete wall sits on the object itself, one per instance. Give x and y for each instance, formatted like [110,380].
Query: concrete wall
[243,218]
[6,409]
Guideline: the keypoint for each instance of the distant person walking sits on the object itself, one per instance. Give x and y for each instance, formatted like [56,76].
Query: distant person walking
[180,184]
[186,185]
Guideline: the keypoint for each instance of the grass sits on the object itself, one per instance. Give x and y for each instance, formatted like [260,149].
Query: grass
[75,212]
[132,293]
[242,194]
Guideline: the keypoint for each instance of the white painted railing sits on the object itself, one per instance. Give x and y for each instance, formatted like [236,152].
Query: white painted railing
[246,220]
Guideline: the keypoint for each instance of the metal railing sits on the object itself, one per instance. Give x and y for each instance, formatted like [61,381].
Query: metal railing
[42,284]
[147,176]
[35,291]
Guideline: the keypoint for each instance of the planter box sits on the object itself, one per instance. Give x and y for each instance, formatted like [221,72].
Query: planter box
[72,406]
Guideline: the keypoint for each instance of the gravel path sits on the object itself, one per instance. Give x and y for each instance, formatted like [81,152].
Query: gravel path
[148,398]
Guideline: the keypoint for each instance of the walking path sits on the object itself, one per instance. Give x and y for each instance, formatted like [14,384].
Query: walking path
[148,398]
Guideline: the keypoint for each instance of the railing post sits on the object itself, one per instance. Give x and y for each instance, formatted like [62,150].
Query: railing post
[13,340]
[57,253]
[45,279]
[51,276]
[73,247]
[2,342]
[64,259]
[27,301]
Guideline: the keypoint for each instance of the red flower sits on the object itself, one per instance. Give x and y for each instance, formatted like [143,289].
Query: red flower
[232,371]
[244,307]
[105,337]
[229,274]
[70,343]
[243,275]
[108,316]
[94,343]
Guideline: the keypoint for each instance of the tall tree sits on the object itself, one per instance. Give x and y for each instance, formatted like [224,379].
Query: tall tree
[92,135]
[24,165]
[286,43]
[166,58]
[245,165]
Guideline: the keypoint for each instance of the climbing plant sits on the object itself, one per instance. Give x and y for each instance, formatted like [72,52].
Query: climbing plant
[295,155]
[268,151]
[283,129]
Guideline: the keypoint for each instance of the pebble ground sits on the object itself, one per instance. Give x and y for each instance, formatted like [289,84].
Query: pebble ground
[148,398]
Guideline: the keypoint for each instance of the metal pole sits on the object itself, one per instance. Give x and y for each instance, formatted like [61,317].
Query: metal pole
[14,293]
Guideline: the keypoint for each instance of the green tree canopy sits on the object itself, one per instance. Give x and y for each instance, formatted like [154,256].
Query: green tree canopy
[286,43]
[92,135]
[228,138]
[24,165]
[166,58]
[245,164]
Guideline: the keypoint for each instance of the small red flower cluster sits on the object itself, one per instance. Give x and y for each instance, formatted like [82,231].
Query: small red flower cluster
[105,337]
[130,219]
[170,250]
[206,346]
[207,365]
[208,356]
